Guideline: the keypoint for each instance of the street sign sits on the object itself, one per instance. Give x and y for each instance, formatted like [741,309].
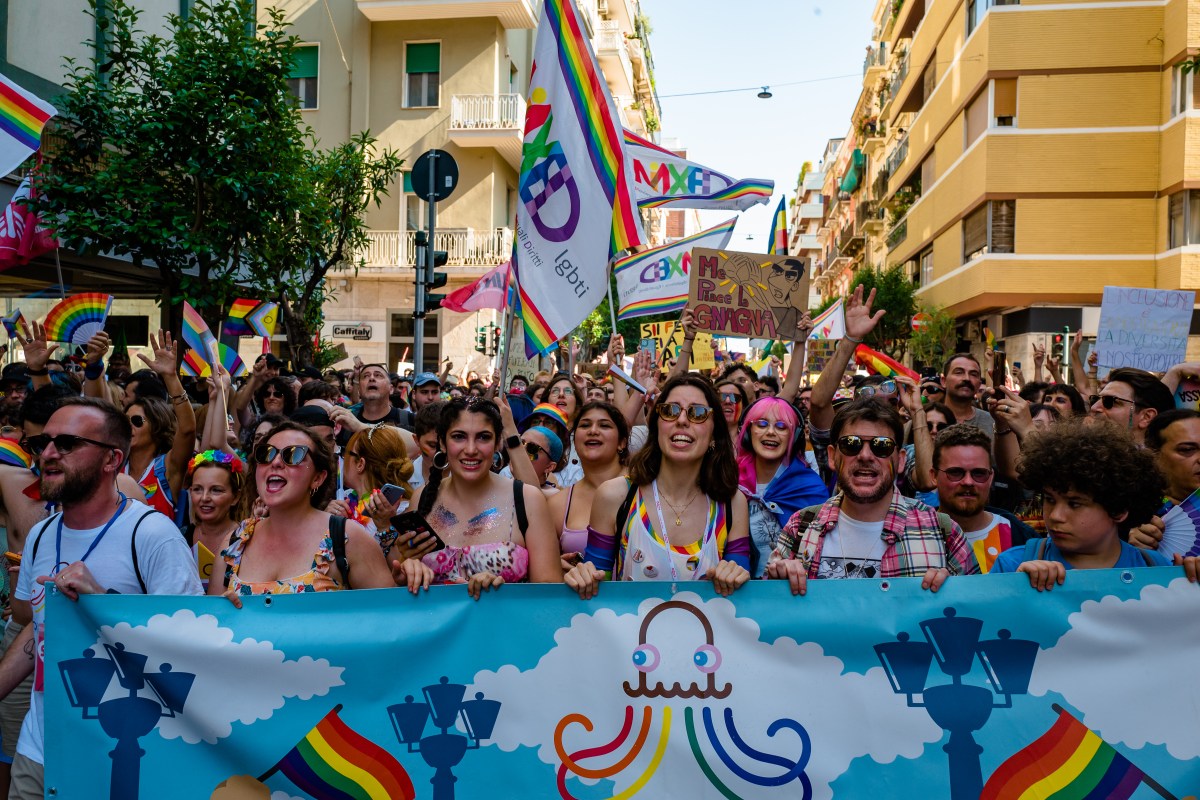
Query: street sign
[445,175]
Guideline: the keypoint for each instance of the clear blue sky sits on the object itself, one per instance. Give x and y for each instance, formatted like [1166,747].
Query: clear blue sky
[702,45]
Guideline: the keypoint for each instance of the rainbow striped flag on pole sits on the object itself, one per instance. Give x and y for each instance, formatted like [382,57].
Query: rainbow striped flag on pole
[197,335]
[335,761]
[665,179]
[1068,761]
[655,281]
[23,115]
[577,208]
[778,238]
[829,324]
[882,364]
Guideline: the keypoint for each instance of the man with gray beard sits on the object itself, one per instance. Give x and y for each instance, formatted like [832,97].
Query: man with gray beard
[868,529]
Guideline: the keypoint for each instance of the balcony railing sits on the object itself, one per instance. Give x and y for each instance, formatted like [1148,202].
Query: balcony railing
[876,56]
[896,159]
[487,111]
[850,243]
[897,234]
[868,211]
[464,247]
[808,241]
[901,72]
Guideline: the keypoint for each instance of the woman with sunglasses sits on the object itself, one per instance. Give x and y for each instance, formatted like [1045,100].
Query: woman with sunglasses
[216,485]
[601,437]
[164,433]
[275,396]
[496,530]
[683,481]
[734,400]
[374,457]
[297,547]
[774,474]
[932,419]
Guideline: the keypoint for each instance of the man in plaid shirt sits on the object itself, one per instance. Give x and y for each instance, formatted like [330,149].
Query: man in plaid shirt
[868,529]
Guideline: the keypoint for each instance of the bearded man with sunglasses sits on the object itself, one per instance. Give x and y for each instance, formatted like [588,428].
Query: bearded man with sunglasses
[100,542]
[868,529]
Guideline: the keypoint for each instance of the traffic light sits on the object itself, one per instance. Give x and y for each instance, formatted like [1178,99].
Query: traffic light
[495,342]
[481,339]
[435,280]
[1058,346]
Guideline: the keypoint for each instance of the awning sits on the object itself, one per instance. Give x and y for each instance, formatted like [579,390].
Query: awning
[854,173]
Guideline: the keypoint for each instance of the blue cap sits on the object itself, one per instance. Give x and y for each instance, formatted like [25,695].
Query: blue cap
[555,445]
[424,378]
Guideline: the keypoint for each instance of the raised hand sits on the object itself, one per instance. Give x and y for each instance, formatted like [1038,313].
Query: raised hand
[33,341]
[860,320]
[165,354]
[1039,354]
[687,321]
[803,327]
[97,347]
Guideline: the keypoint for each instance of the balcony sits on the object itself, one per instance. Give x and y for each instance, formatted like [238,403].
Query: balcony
[813,181]
[850,243]
[896,159]
[589,12]
[812,210]
[465,247]
[808,241]
[868,217]
[511,13]
[874,64]
[489,120]
[614,58]
[897,234]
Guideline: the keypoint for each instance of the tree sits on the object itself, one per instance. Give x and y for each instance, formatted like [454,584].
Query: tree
[893,292]
[317,227]
[175,146]
[936,339]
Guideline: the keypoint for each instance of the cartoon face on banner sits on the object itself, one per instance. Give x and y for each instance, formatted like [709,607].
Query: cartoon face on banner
[748,294]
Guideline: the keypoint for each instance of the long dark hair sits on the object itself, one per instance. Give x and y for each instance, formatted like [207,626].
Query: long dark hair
[451,411]
[718,471]
[161,419]
[618,421]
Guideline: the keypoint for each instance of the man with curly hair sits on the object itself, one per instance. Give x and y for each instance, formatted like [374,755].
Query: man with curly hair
[1095,484]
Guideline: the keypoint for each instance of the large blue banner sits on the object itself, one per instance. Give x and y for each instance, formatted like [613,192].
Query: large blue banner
[859,689]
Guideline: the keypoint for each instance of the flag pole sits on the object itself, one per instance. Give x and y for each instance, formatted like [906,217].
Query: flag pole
[510,318]
[612,307]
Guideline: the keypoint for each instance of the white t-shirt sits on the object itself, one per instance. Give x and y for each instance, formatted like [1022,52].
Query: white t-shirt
[418,477]
[978,536]
[166,565]
[853,549]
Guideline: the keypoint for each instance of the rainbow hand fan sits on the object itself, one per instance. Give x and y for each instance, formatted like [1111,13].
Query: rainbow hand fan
[13,323]
[78,318]
[1181,528]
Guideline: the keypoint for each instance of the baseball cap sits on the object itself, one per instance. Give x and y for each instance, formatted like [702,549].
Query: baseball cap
[424,378]
[311,416]
[309,372]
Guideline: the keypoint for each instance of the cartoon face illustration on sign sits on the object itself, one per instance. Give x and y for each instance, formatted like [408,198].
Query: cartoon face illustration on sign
[647,658]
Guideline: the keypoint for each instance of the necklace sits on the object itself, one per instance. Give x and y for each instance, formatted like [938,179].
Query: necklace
[678,515]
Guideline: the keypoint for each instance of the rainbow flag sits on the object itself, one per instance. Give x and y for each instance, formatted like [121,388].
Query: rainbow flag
[879,363]
[194,364]
[14,455]
[333,761]
[13,323]
[663,178]
[197,335]
[655,281]
[829,324]
[23,115]
[577,208]
[1068,762]
[778,238]
[990,338]
[249,317]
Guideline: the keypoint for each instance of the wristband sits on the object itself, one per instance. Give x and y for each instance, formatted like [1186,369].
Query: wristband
[94,371]
[852,339]
[42,371]
[177,398]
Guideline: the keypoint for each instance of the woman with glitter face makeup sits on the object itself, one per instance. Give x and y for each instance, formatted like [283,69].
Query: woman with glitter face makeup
[496,530]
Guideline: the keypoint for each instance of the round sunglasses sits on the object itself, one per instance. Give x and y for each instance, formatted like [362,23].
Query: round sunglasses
[695,412]
[881,446]
[292,455]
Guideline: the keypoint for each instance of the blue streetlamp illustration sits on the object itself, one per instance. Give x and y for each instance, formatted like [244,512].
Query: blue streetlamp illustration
[129,718]
[957,707]
[442,751]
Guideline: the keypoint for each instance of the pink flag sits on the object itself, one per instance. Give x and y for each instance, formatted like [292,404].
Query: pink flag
[490,291]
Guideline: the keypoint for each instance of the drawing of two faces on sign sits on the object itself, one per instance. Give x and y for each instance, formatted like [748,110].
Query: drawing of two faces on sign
[775,283]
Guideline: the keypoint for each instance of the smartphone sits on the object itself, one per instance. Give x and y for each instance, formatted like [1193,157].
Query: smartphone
[1016,365]
[413,521]
[392,493]
[1000,369]
[358,362]
[650,346]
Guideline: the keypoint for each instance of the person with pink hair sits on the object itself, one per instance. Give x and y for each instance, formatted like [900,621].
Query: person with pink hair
[773,474]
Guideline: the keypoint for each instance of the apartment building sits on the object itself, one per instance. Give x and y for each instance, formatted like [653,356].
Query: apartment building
[804,223]
[1026,154]
[423,74]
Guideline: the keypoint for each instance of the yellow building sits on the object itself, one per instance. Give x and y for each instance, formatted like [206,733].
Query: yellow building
[1028,154]
[422,74]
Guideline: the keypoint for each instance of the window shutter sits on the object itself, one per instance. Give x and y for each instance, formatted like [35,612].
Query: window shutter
[408,183]
[1004,226]
[423,57]
[977,121]
[306,63]
[974,232]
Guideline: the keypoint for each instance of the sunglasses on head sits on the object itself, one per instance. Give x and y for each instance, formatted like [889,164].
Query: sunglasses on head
[956,474]
[763,424]
[292,455]
[695,412]
[887,387]
[1108,401]
[137,420]
[881,446]
[534,450]
[63,443]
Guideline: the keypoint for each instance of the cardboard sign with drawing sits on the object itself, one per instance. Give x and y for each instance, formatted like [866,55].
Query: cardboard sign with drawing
[752,295]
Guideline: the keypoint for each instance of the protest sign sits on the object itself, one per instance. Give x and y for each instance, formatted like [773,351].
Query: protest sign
[752,295]
[653,690]
[819,353]
[1143,328]
[668,337]
[1188,394]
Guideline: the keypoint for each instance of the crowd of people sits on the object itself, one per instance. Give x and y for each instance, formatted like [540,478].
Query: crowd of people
[116,479]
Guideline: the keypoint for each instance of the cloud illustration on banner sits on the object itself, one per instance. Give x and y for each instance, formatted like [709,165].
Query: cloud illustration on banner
[236,681]
[586,671]
[1111,636]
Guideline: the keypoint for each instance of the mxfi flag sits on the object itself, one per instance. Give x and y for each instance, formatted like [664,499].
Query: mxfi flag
[577,209]
[663,179]
[655,281]
[652,690]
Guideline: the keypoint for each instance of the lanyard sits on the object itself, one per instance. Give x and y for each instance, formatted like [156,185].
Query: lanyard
[665,533]
[96,541]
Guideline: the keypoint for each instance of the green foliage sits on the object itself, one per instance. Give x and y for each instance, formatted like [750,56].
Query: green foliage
[932,344]
[596,329]
[893,292]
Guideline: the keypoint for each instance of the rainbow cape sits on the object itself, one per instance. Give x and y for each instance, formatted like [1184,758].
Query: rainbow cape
[251,318]
[655,281]
[882,364]
[13,323]
[197,335]
[23,115]
[335,761]
[78,318]
[14,455]
[1071,762]
[778,238]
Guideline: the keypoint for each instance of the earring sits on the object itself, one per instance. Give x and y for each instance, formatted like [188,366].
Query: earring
[445,461]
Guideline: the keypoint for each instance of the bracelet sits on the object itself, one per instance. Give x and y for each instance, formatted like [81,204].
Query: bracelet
[852,339]
[42,371]
[177,398]
[94,371]
[1006,430]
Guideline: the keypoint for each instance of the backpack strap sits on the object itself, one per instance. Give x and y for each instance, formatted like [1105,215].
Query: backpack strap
[623,511]
[337,533]
[1035,549]
[38,541]
[137,569]
[519,506]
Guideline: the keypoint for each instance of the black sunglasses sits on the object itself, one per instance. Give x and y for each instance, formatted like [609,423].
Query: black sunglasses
[695,413]
[533,449]
[956,474]
[272,393]
[934,427]
[930,388]
[881,446]
[293,454]
[137,420]
[63,443]
[733,398]
[1109,401]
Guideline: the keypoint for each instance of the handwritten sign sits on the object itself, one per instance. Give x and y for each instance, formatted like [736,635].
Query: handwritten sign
[1143,328]
[669,336]
[819,353]
[748,294]
[1188,394]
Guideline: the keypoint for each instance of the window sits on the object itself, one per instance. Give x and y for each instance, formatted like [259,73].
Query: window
[414,207]
[422,68]
[929,79]
[991,228]
[302,81]
[1004,103]
[976,118]
[926,262]
[1183,218]
[928,172]
[1184,90]
[977,8]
